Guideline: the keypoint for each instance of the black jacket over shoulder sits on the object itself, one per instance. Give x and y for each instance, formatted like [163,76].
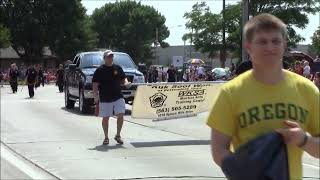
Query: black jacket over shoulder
[263,158]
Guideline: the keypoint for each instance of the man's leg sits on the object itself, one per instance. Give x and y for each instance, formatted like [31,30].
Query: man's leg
[105,111]
[119,109]
[31,90]
[16,86]
[105,126]
[12,86]
[119,124]
[61,88]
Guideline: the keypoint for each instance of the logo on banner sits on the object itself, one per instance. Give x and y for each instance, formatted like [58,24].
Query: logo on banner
[191,93]
[157,100]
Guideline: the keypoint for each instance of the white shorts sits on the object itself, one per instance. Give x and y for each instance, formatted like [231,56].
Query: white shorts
[107,109]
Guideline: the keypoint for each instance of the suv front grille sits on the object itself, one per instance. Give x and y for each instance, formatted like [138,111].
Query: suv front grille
[130,78]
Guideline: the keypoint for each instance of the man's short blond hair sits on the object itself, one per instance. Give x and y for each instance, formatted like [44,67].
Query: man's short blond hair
[264,22]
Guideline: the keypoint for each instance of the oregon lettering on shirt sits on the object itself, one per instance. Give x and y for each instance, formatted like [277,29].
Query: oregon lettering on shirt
[276,111]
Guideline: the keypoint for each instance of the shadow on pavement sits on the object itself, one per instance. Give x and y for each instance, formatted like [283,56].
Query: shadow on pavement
[91,113]
[105,148]
[29,98]
[170,143]
[76,111]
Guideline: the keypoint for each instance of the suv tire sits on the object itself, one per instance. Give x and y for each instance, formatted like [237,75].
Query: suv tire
[84,104]
[69,104]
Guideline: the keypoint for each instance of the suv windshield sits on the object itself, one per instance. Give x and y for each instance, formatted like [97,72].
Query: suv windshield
[91,60]
[95,60]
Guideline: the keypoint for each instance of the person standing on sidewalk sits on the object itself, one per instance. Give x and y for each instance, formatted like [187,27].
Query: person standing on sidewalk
[41,76]
[107,81]
[31,80]
[13,75]
[1,78]
[284,101]
[60,77]
[172,74]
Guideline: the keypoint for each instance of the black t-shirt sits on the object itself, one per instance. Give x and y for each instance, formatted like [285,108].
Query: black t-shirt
[31,75]
[60,74]
[247,65]
[171,75]
[109,78]
[14,75]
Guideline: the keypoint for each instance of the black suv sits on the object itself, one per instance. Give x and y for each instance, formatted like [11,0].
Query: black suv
[78,78]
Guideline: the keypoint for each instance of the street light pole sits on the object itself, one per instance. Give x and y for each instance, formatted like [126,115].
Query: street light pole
[156,45]
[245,17]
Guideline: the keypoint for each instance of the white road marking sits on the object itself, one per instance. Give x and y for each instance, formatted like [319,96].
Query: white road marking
[312,166]
[24,165]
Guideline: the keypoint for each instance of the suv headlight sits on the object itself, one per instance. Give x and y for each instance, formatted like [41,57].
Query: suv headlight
[138,79]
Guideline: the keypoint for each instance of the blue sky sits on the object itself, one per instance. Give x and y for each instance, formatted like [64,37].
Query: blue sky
[174,11]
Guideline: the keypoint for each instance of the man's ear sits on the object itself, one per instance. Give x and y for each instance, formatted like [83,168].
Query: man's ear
[285,44]
[247,46]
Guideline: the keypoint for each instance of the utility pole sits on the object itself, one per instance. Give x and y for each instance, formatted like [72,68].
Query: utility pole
[223,51]
[190,49]
[156,45]
[184,51]
[245,18]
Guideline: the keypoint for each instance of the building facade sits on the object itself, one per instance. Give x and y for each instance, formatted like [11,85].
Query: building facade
[9,56]
[165,56]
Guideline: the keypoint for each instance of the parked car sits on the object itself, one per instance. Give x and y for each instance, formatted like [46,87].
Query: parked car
[78,78]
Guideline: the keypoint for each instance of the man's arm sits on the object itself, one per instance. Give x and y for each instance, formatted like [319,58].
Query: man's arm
[220,144]
[95,92]
[313,146]
[295,135]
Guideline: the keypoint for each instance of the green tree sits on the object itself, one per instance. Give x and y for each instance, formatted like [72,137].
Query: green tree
[130,27]
[4,37]
[316,41]
[205,29]
[293,13]
[35,24]
[26,28]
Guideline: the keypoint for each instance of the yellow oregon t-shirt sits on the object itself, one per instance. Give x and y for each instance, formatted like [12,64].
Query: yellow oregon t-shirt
[247,108]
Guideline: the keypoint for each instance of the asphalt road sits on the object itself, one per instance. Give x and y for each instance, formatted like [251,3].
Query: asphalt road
[9,171]
[67,145]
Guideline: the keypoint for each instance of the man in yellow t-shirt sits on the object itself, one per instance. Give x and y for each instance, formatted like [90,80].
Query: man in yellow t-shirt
[265,99]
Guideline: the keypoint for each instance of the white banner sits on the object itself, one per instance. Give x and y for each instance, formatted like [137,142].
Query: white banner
[174,100]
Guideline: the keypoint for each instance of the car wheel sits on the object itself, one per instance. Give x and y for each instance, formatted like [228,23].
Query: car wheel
[68,102]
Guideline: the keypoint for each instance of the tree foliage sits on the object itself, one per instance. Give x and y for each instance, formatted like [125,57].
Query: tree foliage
[316,41]
[205,27]
[294,13]
[4,37]
[35,24]
[130,27]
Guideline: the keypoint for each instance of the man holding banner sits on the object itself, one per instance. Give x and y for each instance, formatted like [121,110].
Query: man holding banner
[266,99]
